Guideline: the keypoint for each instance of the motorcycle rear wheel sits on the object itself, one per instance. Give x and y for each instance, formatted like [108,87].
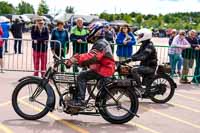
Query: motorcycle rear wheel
[111,115]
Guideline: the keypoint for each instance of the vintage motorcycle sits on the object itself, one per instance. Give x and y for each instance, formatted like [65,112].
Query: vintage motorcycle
[159,87]
[115,102]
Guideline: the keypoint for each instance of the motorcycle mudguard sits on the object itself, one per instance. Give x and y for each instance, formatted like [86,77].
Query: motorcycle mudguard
[50,92]
[52,98]
[28,77]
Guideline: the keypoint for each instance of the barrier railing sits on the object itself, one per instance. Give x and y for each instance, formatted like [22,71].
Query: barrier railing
[20,53]
[25,62]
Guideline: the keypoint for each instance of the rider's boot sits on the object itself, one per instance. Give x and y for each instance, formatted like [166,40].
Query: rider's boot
[77,103]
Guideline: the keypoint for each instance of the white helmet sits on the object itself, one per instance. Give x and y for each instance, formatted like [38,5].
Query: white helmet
[143,34]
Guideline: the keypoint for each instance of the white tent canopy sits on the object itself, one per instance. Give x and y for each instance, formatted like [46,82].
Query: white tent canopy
[4,19]
[66,17]
[21,17]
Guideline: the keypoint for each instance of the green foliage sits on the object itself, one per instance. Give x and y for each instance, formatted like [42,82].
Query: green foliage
[25,7]
[6,8]
[43,8]
[69,9]
[189,20]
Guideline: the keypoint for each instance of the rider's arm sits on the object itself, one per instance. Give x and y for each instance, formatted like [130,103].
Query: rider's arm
[143,55]
[87,59]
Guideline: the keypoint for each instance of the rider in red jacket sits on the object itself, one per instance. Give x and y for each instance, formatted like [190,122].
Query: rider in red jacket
[99,59]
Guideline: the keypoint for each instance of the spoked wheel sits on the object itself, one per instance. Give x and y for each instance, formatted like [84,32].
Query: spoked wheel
[29,100]
[118,106]
[163,89]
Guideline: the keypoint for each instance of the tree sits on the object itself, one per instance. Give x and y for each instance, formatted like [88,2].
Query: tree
[69,9]
[43,8]
[105,16]
[6,8]
[25,7]
[139,19]
[187,20]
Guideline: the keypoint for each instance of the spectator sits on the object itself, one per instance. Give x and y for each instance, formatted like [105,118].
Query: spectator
[180,61]
[16,30]
[110,35]
[125,40]
[178,44]
[1,49]
[78,38]
[6,27]
[40,36]
[171,38]
[196,78]
[188,56]
[60,34]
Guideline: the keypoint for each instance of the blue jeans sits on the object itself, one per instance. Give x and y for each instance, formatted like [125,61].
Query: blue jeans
[175,59]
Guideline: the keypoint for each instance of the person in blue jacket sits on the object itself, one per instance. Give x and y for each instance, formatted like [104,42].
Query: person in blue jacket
[125,40]
[6,27]
[60,34]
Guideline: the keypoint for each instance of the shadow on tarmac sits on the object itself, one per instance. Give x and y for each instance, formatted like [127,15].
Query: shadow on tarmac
[39,126]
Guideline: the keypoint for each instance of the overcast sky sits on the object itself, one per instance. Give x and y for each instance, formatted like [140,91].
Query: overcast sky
[118,6]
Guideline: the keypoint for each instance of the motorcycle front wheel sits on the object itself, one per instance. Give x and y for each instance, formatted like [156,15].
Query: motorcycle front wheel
[29,100]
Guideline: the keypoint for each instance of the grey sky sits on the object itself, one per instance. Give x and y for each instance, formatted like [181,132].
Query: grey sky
[118,6]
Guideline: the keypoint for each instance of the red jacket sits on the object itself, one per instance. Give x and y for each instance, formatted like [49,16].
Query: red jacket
[1,33]
[98,62]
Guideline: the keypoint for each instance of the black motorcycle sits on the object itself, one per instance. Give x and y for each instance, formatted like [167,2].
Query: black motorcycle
[159,87]
[34,97]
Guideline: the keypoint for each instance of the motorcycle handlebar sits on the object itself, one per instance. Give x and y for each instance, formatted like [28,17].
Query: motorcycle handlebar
[59,61]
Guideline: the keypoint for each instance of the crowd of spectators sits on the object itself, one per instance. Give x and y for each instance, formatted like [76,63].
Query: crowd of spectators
[184,47]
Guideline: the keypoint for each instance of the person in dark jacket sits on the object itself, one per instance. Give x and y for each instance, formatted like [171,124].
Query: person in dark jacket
[147,56]
[125,40]
[40,37]
[110,35]
[171,38]
[16,30]
[196,77]
[188,56]
[79,39]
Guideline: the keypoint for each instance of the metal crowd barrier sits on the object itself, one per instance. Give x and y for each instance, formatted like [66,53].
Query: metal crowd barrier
[24,62]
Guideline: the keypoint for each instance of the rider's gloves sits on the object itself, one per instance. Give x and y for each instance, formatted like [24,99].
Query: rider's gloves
[71,61]
[68,63]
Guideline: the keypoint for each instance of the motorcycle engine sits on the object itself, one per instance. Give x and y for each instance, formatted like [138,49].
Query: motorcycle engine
[70,96]
[67,98]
